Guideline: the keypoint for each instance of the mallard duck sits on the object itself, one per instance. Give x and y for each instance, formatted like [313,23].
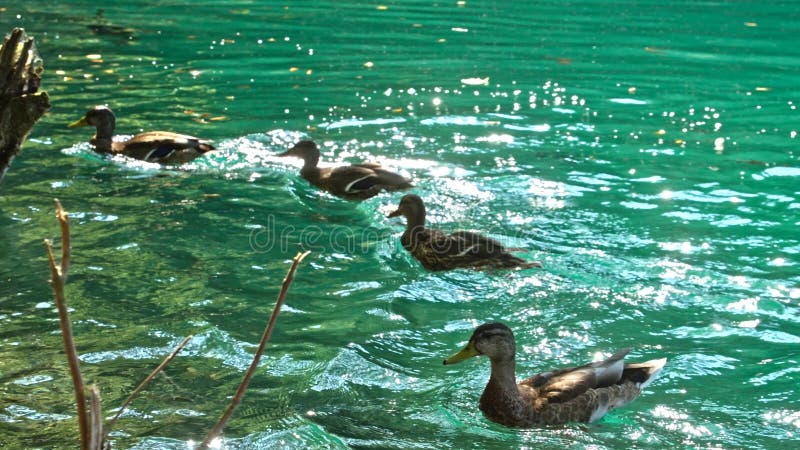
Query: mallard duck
[161,147]
[356,182]
[441,251]
[577,394]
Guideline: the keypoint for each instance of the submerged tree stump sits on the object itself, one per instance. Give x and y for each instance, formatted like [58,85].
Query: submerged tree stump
[21,103]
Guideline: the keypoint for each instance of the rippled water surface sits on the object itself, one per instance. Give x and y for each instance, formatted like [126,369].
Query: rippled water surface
[645,151]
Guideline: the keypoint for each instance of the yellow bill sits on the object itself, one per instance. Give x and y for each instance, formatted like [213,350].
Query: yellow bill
[82,122]
[467,352]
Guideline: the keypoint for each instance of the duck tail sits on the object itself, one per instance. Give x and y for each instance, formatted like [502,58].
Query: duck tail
[205,147]
[515,262]
[531,265]
[644,373]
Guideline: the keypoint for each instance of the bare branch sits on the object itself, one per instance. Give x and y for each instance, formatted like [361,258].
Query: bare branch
[145,382]
[96,440]
[237,398]
[57,277]
[66,245]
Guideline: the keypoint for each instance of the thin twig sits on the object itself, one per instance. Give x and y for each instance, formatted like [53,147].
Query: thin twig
[145,382]
[96,441]
[66,245]
[57,278]
[237,398]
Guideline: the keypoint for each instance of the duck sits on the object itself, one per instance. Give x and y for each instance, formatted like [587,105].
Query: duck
[161,147]
[577,394]
[356,182]
[438,251]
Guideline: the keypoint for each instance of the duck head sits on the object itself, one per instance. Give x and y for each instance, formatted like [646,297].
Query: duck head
[100,117]
[306,150]
[412,208]
[494,340]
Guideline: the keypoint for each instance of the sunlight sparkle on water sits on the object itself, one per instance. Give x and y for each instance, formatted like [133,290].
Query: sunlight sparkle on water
[215,443]
[683,247]
[784,417]
[496,139]
[678,421]
[749,323]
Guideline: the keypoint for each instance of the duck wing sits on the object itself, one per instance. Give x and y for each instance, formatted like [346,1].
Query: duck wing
[387,179]
[363,179]
[352,180]
[475,244]
[563,385]
[161,146]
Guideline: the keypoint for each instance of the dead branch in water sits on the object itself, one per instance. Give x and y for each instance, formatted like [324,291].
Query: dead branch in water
[92,433]
[96,431]
[145,382]
[90,424]
[58,275]
[237,398]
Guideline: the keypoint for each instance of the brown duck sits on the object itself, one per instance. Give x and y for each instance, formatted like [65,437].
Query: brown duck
[161,147]
[441,251]
[356,182]
[578,394]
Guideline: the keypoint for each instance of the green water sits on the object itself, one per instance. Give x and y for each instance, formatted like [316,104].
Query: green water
[582,131]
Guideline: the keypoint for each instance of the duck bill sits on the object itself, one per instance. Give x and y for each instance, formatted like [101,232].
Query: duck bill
[82,122]
[466,353]
[396,213]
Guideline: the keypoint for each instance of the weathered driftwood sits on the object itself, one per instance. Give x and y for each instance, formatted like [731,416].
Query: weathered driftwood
[21,102]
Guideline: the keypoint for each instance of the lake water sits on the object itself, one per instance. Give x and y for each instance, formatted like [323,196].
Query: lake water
[646,152]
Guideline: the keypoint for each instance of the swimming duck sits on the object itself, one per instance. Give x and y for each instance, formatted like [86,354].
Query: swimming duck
[441,251]
[357,182]
[578,394]
[161,147]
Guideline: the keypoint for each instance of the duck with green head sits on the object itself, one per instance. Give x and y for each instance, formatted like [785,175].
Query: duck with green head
[356,182]
[161,147]
[576,394]
[437,250]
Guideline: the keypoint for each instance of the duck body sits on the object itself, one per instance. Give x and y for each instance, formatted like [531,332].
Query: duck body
[577,394]
[162,147]
[356,182]
[437,250]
